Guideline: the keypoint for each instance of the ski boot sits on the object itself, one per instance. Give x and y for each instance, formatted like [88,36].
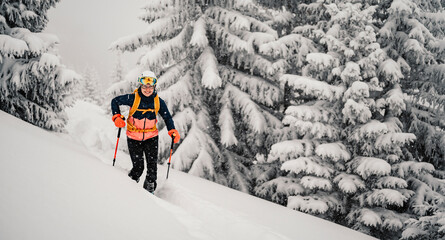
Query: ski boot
[150,186]
[134,178]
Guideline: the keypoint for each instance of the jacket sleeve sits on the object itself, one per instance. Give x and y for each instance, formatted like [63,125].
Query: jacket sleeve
[126,99]
[165,114]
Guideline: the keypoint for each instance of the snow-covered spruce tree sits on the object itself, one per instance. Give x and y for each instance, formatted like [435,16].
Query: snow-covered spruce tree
[90,89]
[117,84]
[222,91]
[120,69]
[350,158]
[34,85]
[271,184]
[412,33]
[312,163]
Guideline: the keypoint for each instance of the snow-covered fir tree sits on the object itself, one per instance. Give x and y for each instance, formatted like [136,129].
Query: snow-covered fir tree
[34,85]
[350,160]
[117,84]
[222,90]
[119,70]
[413,34]
[90,87]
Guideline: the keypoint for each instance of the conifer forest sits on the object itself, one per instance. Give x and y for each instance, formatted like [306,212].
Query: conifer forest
[334,108]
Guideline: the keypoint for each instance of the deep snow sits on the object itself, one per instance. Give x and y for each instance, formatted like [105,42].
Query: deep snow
[51,187]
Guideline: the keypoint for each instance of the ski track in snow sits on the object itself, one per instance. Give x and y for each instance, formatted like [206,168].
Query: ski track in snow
[224,225]
[203,219]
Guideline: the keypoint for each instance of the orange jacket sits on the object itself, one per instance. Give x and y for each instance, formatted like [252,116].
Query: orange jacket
[143,121]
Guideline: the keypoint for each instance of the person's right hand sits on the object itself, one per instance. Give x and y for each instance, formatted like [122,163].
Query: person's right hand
[118,120]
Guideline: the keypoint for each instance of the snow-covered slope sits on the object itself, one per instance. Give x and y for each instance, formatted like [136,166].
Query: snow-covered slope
[52,188]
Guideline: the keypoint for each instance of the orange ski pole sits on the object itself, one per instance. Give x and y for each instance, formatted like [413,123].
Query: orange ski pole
[117,143]
[170,159]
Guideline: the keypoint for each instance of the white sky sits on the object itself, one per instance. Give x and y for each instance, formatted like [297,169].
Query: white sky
[87,28]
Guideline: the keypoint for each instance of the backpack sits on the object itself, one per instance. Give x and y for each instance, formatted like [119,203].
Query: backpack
[135,107]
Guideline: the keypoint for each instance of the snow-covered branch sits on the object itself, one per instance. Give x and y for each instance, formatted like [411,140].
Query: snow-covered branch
[312,87]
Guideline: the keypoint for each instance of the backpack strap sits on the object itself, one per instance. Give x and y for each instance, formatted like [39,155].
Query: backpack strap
[157,105]
[136,102]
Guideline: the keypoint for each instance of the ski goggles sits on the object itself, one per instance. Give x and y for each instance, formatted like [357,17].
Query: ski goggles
[148,81]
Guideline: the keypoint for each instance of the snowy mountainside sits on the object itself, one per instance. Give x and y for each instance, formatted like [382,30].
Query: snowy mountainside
[53,188]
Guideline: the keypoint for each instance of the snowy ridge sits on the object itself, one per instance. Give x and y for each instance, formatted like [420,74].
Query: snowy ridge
[55,189]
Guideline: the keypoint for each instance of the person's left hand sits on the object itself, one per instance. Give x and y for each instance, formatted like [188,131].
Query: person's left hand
[174,134]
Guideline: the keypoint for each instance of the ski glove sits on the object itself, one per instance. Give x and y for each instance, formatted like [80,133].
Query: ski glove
[118,120]
[174,134]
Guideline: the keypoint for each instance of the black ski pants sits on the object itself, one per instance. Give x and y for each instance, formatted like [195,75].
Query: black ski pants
[137,150]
